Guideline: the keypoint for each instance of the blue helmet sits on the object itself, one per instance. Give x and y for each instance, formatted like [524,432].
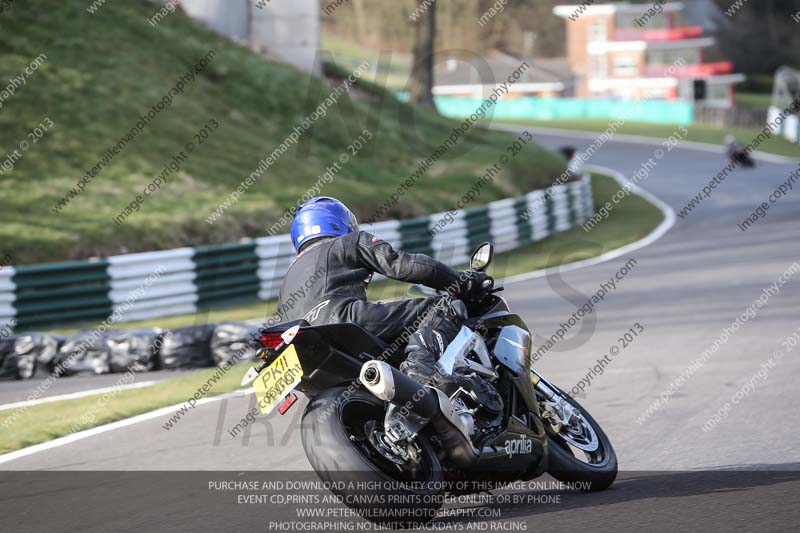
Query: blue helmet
[321,217]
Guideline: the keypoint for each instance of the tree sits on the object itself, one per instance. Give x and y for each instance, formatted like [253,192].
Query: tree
[760,37]
[250,39]
[422,67]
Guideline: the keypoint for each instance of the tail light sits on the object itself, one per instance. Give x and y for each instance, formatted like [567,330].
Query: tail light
[270,340]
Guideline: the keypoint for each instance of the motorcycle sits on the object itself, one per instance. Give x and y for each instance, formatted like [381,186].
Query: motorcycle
[737,154]
[370,430]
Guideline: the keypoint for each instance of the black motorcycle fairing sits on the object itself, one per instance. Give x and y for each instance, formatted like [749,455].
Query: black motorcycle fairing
[497,305]
[498,319]
[333,354]
[280,328]
[491,305]
[520,376]
[324,366]
[498,460]
[347,337]
[513,347]
[519,453]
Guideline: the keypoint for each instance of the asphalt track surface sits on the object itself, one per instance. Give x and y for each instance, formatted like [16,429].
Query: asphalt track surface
[684,290]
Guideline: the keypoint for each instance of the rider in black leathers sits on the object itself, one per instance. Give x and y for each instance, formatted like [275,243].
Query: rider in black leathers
[327,283]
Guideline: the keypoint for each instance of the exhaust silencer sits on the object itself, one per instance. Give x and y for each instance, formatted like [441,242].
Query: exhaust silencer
[391,385]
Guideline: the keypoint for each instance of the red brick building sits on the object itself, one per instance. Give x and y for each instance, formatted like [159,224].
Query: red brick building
[623,50]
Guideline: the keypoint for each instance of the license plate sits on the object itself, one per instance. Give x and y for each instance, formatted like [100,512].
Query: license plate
[278,380]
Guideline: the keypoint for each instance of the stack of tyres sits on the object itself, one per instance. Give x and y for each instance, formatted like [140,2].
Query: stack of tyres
[35,353]
[232,342]
[135,350]
[23,356]
[138,350]
[188,347]
[8,360]
[85,352]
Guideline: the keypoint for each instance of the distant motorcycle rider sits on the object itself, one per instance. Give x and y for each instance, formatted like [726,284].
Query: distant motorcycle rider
[326,237]
[732,145]
[737,152]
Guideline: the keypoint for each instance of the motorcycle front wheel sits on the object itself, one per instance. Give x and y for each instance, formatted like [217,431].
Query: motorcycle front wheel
[580,452]
[342,434]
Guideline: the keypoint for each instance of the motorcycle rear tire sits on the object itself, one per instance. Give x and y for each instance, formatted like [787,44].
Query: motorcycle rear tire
[339,459]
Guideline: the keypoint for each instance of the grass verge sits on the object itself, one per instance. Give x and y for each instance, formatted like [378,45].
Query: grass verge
[392,69]
[632,219]
[756,101]
[44,422]
[222,128]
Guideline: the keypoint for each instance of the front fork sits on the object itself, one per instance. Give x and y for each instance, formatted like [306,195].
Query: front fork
[555,409]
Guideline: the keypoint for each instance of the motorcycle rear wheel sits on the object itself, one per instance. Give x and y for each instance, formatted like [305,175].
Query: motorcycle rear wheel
[335,438]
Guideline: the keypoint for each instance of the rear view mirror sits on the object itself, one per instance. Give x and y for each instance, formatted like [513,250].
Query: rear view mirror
[482,256]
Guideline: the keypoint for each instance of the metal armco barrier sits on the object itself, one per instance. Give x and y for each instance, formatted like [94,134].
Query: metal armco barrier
[146,285]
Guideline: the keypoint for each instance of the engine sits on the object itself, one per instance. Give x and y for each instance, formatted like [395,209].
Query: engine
[477,402]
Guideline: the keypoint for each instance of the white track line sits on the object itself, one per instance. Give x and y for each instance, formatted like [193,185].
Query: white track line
[664,227]
[653,236]
[80,435]
[638,139]
[73,395]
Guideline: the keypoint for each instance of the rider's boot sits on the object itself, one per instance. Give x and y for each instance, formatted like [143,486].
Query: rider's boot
[420,365]
[438,329]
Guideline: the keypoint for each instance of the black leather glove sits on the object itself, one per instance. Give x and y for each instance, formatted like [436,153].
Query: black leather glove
[474,284]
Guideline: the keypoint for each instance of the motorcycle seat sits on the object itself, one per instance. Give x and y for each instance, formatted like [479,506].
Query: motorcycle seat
[348,337]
